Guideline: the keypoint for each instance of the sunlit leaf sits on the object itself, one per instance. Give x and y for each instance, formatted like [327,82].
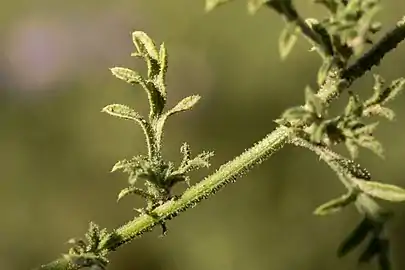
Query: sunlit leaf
[287,40]
[144,44]
[382,191]
[335,205]
[123,111]
[128,75]
[211,4]
[255,5]
[134,190]
[185,104]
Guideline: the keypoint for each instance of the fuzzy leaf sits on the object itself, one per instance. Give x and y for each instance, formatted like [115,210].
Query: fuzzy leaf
[128,75]
[200,161]
[254,5]
[378,110]
[297,113]
[144,44]
[163,62]
[382,191]
[134,190]
[355,238]
[287,40]
[313,102]
[185,104]
[371,143]
[335,205]
[211,4]
[324,70]
[123,111]
[354,106]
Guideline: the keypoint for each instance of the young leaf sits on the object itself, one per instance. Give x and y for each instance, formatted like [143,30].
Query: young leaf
[128,75]
[123,111]
[335,205]
[352,148]
[324,70]
[134,190]
[296,113]
[355,238]
[185,104]
[313,102]
[163,61]
[382,191]
[211,4]
[145,45]
[287,40]
[254,5]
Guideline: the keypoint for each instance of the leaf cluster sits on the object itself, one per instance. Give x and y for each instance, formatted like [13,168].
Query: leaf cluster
[350,126]
[158,175]
[87,253]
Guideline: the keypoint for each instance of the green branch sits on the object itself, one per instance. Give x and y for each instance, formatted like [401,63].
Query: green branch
[337,81]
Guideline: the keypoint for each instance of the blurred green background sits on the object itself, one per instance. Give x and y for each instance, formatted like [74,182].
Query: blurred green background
[57,148]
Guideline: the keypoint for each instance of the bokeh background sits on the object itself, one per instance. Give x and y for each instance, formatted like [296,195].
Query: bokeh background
[57,148]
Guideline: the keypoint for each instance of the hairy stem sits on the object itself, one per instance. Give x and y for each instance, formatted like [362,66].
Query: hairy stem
[337,81]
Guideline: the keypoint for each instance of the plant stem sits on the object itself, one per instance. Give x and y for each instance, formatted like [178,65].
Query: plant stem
[336,82]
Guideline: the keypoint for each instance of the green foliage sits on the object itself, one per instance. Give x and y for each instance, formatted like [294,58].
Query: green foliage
[87,253]
[337,38]
[349,127]
[159,176]
[336,205]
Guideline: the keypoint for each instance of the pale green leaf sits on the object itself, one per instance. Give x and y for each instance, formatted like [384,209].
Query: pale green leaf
[163,62]
[144,44]
[128,75]
[352,147]
[134,190]
[297,113]
[382,191]
[287,40]
[123,111]
[313,102]
[324,70]
[255,5]
[185,104]
[378,110]
[211,4]
[335,205]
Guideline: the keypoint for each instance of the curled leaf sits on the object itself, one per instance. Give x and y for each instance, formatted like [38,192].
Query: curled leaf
[335,205]
[144,44]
